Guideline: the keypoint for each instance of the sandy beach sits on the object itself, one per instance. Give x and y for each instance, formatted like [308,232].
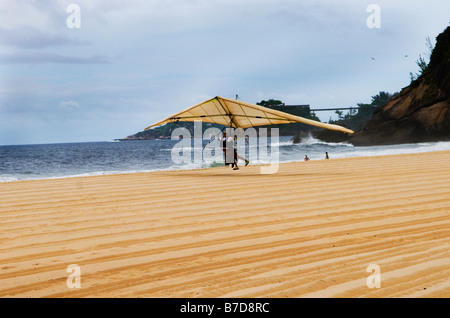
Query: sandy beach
[310,230]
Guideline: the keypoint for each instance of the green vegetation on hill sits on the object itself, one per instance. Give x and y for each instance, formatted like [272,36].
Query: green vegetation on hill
[441,51]
[270,103]
[354,119]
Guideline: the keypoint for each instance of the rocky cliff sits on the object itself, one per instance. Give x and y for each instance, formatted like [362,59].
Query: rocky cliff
[421,112]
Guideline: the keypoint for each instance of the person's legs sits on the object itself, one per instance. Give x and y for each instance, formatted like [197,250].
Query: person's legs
[242,158]
[237,157]
[229,157]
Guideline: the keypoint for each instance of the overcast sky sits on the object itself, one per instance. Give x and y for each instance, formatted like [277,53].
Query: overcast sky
[132,63]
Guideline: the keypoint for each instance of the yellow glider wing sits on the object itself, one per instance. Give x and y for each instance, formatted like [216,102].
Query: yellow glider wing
[238,114]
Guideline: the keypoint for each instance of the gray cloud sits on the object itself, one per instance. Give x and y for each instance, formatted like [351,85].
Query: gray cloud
[46,57]
[27,37]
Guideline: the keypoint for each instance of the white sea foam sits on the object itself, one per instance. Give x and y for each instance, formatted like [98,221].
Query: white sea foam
[282,143]
[394,149]
[8,179]
[310,140]
[87,174]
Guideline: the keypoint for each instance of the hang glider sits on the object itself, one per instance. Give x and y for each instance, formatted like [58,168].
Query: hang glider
[238,114]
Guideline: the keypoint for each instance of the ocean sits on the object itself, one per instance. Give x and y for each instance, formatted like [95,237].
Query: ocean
[46,161]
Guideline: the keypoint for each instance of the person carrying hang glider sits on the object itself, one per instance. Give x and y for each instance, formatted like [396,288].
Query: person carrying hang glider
[230,151]
[239,114]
